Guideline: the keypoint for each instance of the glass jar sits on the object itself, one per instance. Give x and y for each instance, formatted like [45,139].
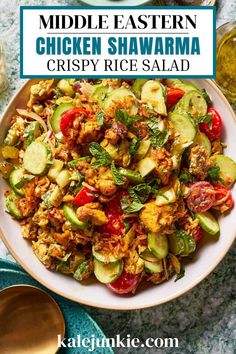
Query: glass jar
[226,60]
[3,74]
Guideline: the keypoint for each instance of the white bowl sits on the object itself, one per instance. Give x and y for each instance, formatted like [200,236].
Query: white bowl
[206,259]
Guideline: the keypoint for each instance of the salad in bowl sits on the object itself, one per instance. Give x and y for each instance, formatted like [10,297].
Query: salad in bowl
[117,178]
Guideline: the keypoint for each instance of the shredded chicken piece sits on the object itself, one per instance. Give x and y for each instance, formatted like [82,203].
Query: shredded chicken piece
[133,263]
[112,136]
[105,182]
[29,231]
[40,92]
[89,132]
[156,218]
[189,224]
[199,162]
[40,218]
[92,212]
[164,164]
[41,187]
[41,251]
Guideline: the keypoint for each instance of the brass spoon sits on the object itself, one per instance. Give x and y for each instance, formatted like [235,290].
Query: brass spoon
[30,321]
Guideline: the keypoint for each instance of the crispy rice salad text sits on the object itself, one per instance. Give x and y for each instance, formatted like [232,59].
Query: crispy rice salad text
[117,178]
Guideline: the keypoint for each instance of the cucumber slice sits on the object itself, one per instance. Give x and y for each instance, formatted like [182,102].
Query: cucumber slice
[153,93]
[148,256]
[145,166]
[99,94]
[12,136]
[194,103]
[185,86]
[158,245]
[118,96]
[55,169]
[168,196]
[112,150]
[71,216]
[136,88]
[203,141]
[153,267]
[14,178]
[184,126]
[132,176]
[84,270]
[208,222]
[181,243]
[143,148]
[63,178]
[37,158]
[104,258]
[65,85]
[32,131]
[56,117]
[56,196]
[227,168]
[11,205]
[107,273]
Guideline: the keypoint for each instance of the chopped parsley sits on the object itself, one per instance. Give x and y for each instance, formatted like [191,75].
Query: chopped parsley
[101,155]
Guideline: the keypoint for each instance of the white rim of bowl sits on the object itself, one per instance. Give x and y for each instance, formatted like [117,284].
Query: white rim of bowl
[122,307]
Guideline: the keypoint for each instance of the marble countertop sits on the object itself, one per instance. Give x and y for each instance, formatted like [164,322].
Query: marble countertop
[204,319]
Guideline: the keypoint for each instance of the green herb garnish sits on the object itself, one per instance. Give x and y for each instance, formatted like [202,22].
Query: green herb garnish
[117,177]
[205,119]
[181,273]
[23,180]
[100,118]
[157,137]
[206,96]
[214,174]
[134,145]
[101,155]
[122,116]
[185,177]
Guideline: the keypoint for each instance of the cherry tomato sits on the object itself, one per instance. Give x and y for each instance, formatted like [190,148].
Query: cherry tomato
[197,235]
[173,95]
[201,197]
[223,196]
[115,224]
[84,196]
[214,129]
[125,283]
[68,118]
[114,205]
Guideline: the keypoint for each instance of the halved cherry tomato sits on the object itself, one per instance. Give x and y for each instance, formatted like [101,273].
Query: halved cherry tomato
[223,196]
[197,235]
[115,224]
[125,284]
[173,95]
[201,197]
[114,205]
[214,129]
[68,118]
[84,196]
